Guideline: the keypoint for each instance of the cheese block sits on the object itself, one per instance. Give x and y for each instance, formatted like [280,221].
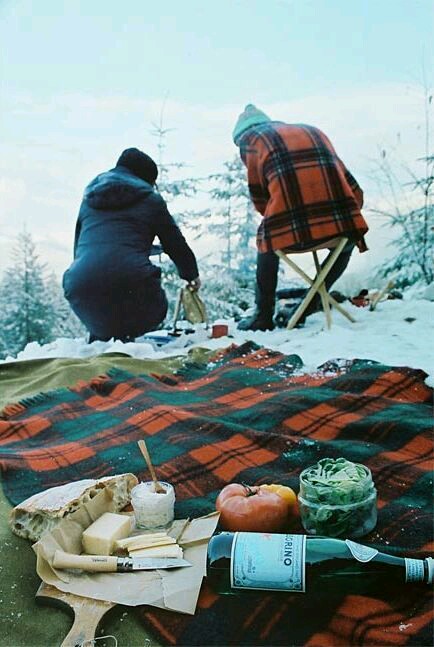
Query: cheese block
[158,551]
[150,538]
[100,536]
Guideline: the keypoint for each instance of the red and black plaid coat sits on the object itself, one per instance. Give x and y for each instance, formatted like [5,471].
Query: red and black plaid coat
[301,187]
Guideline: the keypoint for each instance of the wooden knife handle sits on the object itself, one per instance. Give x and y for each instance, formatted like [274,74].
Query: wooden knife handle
[90,563]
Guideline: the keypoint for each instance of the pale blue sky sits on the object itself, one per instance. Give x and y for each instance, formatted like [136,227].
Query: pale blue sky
[210,52]
[83,79]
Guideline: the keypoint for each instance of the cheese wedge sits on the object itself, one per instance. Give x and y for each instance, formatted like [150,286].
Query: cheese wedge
[150,537]
[100,536]
[159,551]
[151,544]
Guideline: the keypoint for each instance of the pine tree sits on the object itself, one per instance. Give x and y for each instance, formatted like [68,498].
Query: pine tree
[172,189]
[413,260]
[226,291]
[229,290]
[225,294]
[236,223]
[26,314]
[66,323]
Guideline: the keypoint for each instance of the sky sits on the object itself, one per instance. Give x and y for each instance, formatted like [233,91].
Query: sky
[81,80]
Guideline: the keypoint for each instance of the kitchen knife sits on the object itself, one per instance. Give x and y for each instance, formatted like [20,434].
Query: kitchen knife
[109,564]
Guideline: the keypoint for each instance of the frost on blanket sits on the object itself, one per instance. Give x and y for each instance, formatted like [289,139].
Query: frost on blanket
[248,415]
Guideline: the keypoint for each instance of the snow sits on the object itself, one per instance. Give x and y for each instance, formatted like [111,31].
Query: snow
[397,333]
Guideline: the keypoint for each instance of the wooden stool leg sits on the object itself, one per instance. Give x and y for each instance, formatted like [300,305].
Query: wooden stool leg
[307,278]
[319,279]
[323,294]
[340,309]
[302,307]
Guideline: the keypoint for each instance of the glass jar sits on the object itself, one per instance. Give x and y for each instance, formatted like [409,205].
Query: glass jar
[337,498]
[153,509]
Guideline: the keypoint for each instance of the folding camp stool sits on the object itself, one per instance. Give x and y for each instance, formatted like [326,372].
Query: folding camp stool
[318,282]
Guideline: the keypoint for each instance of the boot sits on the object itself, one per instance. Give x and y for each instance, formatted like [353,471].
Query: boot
[262,318]
[267,267]
[259,320]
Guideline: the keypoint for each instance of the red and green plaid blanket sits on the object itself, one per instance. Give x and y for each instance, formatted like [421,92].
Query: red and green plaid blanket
[250,415]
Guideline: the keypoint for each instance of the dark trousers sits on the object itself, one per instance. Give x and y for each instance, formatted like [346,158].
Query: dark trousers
[267,270]
[121,313]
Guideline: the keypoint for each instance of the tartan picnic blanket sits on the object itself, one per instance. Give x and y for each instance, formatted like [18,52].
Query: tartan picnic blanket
[249,415]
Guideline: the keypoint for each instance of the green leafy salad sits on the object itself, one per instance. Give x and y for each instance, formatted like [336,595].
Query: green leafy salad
[337,498]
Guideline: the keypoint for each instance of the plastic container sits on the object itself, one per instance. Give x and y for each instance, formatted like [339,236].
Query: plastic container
[337,498]
[152,509]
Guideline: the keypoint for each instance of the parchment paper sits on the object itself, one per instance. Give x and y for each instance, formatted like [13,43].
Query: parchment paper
[176,589]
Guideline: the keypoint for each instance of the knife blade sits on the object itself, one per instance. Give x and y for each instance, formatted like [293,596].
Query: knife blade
[126,564]
[111,564]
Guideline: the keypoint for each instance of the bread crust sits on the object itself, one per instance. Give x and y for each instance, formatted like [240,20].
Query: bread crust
[44,510]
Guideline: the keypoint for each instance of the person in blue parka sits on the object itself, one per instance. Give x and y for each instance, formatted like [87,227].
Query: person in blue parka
[112,286]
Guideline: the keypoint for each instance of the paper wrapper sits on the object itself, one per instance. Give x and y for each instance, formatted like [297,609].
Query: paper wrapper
[175,589]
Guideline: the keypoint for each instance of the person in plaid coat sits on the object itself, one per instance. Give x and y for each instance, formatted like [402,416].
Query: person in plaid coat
[305,194]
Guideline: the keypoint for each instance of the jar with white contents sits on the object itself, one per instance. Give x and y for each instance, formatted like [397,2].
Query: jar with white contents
[153,509]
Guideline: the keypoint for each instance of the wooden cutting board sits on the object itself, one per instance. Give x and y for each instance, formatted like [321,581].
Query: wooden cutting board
[87,613]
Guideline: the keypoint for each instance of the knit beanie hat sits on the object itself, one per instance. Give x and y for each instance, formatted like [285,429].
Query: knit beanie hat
[139,163]
[250,117]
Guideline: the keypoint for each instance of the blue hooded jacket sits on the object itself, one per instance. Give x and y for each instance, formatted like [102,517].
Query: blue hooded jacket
[119,218]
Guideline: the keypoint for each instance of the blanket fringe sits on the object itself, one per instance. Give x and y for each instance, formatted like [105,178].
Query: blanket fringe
[16,408]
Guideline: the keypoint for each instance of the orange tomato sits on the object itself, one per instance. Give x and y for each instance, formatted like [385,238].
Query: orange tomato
[252,509]
[283,491]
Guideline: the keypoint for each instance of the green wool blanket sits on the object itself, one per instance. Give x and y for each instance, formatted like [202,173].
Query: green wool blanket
[249,415]
[23,623]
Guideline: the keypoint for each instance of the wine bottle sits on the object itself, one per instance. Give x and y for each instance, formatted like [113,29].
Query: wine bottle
[300,563]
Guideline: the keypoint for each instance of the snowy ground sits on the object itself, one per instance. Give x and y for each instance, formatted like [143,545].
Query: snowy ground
[398,333]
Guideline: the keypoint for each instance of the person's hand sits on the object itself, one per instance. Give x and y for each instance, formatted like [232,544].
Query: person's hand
[194,285]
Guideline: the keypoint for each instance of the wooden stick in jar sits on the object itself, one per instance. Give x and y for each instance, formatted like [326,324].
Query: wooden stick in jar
[159,489]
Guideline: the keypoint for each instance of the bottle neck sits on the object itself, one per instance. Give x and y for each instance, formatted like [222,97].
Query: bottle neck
[414,570]
[419,570]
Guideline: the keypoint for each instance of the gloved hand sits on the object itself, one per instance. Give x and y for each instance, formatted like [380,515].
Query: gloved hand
[194,285]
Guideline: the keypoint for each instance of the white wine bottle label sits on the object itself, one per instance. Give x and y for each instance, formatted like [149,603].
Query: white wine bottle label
[361,553]
[414,570]
[268,562]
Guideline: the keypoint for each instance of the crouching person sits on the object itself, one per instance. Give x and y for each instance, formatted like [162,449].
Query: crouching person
[112,286]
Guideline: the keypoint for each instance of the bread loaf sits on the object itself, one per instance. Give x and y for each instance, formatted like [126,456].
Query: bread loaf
[43,511]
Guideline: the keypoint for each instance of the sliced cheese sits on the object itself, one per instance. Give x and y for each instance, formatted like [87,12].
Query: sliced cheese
[150,537]
[151,544]
[143,544]
[159,551]
[100,536]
